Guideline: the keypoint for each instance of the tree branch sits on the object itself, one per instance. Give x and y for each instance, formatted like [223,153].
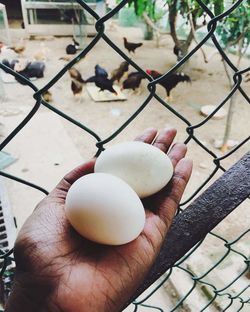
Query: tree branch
[194,37]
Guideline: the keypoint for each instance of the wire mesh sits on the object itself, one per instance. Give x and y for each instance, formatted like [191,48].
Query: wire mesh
[200,281]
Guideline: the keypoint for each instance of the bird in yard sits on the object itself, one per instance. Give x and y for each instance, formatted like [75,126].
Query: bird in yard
[100,71]
[73,47]
[101,80]
[47,96]
[105,84]
[133,82]
[118,73]
[247,77]
[76,82]
[169,82]
[75,75]
[42,53]
[29,69]
[19,47]
[131,46]
[76,88]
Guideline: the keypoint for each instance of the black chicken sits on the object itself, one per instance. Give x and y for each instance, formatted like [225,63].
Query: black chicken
[100,71]
[101,80]
[170,81]
[118,73]
[72,48]
[133,81]
[131,46]
[104,84]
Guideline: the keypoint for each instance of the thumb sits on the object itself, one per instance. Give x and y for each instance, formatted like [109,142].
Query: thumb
[64,185]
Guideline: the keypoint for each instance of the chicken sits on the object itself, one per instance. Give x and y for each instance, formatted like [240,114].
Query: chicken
[90,79]
[29,69]
[19,47]
[10,64]
[118,73]
[73,47]
[47,96]
[247,77]
[75,75]
[66,58]
[104,84]
[42,53]
[101,80]
[100,71]
[76,88]
[76,81]
[170,81]
[133,81]
[131,46]
[179,49]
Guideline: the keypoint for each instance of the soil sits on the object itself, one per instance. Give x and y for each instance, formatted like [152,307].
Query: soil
[209,86]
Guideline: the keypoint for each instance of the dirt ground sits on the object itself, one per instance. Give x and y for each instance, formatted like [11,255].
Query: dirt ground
[209,87]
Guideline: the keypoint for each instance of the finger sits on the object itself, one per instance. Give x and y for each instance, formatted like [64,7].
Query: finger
[75,174]
[177,152]
[170,200]
[147,136]
[164,139]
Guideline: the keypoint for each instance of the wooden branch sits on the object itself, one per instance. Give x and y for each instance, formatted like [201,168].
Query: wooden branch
[151,24]
[195,39]
[200,217]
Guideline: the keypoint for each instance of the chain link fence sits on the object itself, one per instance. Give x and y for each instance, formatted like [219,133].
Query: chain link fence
[190,284]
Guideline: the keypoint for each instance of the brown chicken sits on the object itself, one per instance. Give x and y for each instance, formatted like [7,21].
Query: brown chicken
[76,81]
[131,46]
[169,82]
[133,82]
[118,73]
[76,88]
[19,47]
[47,96]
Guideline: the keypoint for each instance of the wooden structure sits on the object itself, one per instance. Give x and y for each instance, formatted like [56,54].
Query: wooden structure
[200,217]
[4,26]
[38,26]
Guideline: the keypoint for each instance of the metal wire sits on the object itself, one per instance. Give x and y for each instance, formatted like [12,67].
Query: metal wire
[197,280]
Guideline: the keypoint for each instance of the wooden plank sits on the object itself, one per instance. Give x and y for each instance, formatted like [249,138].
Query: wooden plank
[105,96]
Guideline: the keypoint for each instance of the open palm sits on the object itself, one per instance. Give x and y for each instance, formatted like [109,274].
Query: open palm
[59,270]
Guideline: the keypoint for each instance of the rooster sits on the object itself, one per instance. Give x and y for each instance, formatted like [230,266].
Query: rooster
[72,48]
[76,82]
[169,82]
[75,75]
[118,73]
[131,46]
[133,81]
[104,84]
[100,71]
[101,80]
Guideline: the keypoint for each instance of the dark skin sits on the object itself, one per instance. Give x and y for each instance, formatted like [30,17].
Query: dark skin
[59,270]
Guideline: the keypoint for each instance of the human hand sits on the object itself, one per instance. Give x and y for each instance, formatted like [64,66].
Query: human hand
[59,270]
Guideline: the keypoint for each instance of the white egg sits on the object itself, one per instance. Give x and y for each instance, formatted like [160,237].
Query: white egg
[144,167]
[104,209]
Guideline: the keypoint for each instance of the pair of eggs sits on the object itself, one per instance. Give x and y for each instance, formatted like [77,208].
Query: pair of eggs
[105,206]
